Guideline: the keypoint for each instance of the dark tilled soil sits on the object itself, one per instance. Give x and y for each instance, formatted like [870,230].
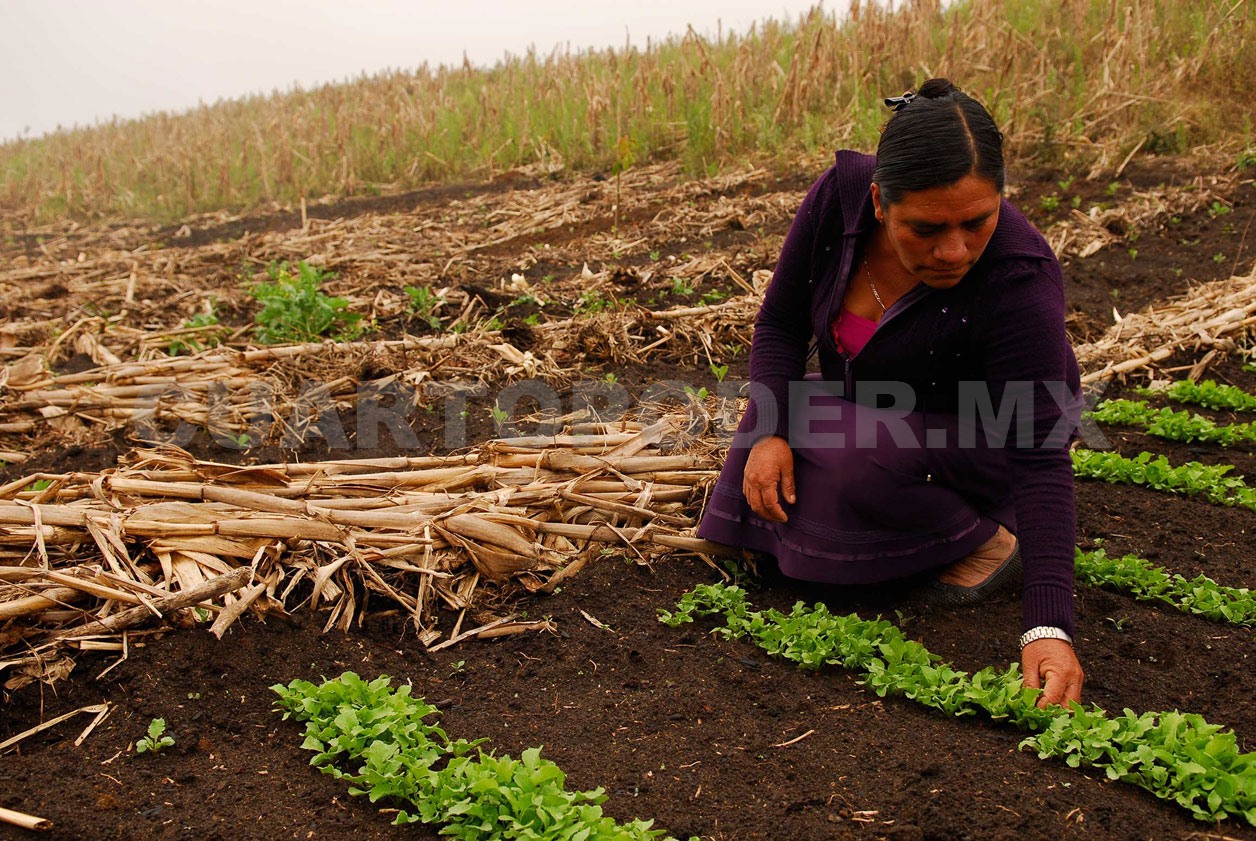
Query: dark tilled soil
[675,724]
[679,725]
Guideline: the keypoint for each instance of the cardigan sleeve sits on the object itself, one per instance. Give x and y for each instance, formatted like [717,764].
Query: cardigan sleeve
[782,330]
[1027,356]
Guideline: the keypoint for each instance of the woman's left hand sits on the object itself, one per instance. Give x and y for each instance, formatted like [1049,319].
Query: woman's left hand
[1051,665]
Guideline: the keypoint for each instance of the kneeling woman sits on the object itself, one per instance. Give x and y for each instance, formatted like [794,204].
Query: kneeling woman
[924,288]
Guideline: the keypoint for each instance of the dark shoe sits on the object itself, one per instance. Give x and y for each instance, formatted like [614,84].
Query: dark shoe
[954,595]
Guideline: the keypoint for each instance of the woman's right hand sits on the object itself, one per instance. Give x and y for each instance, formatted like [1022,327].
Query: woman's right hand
[770,467]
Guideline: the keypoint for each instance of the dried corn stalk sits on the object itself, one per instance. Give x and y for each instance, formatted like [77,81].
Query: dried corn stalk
[166,537]
[1212,316]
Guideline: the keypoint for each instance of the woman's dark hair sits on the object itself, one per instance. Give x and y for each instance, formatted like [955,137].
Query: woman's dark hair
[935,138]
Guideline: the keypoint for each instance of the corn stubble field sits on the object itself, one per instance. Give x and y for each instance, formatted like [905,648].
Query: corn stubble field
[443,404]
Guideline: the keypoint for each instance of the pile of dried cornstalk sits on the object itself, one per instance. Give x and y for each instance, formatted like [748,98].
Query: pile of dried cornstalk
[230,392]
[1210,317]
[86,557]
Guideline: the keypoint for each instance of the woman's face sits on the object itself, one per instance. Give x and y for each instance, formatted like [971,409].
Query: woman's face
[938,233]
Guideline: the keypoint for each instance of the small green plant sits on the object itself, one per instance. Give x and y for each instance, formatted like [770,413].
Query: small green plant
[532,320]
[499,415]
[190,344]
[1112,187]
[1219,258]
[1076,202]
[655,255]
[1218,209]
[156,740]
[1065,183]
[40,485]
[682,287]
[719,371]
[592,302]
[610,377]
[1050,203]
[423,305]
[699,394]
[1133,252]
[294,310]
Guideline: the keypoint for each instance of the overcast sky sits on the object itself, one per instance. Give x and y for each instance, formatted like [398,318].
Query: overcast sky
[67,62]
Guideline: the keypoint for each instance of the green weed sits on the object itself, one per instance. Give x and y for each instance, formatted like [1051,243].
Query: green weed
[682,287]
[423,305]
[201,341]
[294,310]
[592,302]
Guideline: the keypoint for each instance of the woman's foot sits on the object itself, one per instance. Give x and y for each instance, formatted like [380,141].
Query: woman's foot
[992,566]
[984,561]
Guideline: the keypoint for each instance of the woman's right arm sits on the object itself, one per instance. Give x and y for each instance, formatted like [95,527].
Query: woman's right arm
[778,356]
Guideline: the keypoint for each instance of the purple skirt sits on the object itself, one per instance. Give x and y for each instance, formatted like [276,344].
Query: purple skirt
[881,495]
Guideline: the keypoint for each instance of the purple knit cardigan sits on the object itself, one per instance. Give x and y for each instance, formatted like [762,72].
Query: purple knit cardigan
[1003,323]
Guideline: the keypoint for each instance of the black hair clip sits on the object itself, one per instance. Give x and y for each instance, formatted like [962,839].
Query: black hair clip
[898,103]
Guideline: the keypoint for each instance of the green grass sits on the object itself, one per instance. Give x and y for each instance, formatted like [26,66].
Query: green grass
[781,89]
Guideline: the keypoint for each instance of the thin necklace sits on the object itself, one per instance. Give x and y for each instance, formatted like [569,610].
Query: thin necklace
[873,287]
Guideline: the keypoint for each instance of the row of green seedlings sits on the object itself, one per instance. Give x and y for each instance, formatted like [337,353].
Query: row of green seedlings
[1183,426]
[400,756]
[295,309]
[1207,394]
[1158,473]
[1172,424]
[1200,596]
[1178,757]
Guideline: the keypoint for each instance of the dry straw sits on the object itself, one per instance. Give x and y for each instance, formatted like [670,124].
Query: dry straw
[165,537]
[1209,319]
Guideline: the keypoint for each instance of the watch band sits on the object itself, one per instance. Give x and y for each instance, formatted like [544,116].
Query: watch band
[1044,632]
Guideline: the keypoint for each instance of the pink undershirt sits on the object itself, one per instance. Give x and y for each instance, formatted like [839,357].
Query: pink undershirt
[852,332]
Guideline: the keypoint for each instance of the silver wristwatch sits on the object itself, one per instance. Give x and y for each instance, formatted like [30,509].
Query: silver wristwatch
[1044,632]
